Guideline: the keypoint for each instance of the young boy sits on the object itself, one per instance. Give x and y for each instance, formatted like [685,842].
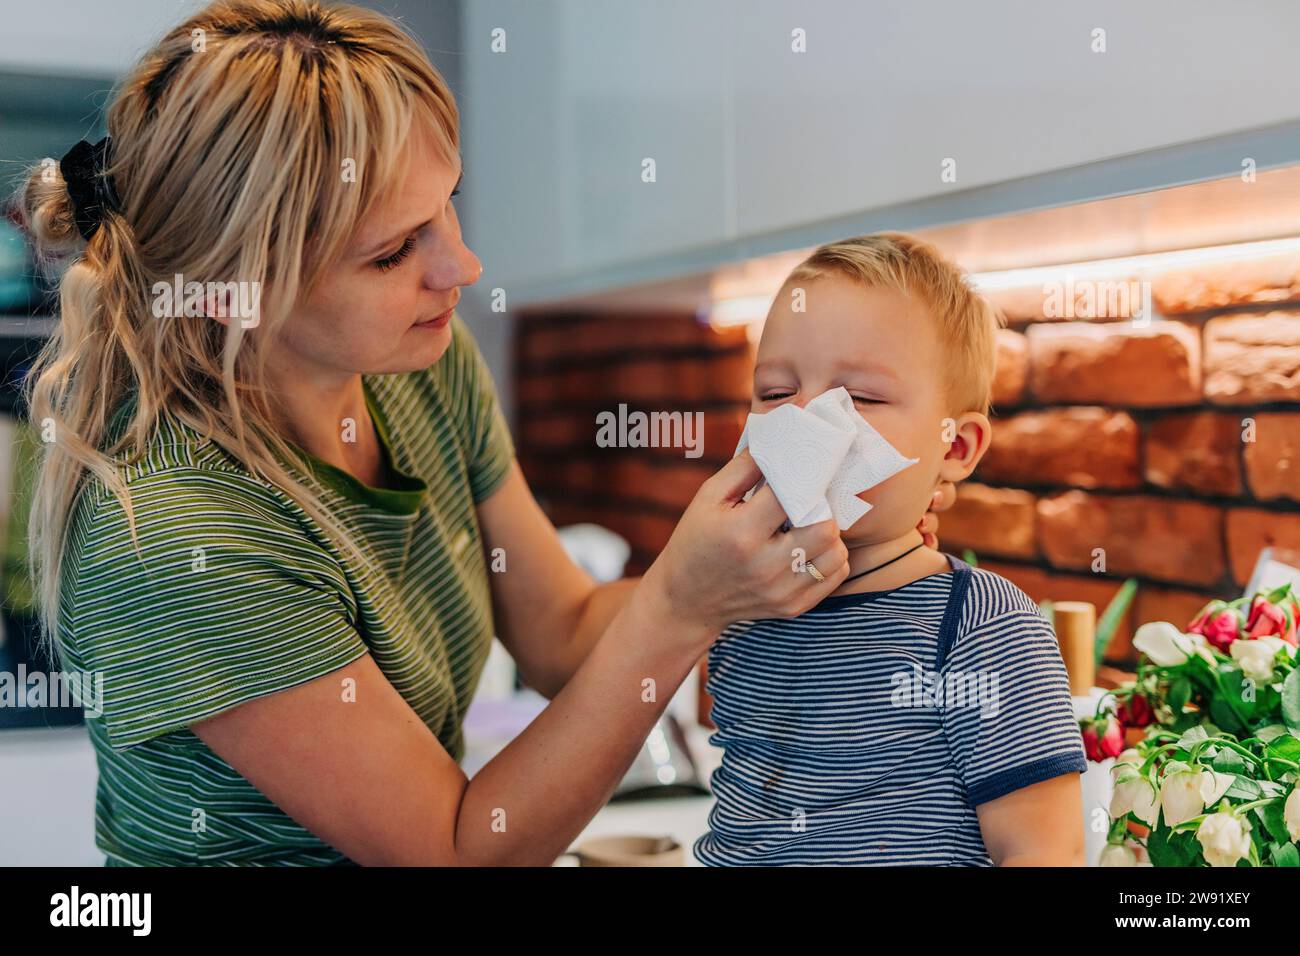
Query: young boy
[921,713]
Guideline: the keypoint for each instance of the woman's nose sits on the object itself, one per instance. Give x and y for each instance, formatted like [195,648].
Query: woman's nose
[452,264]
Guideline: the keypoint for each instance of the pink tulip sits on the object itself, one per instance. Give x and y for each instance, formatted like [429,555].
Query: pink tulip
[1108,743]
[1270,620]
[1220,628]
[1135,712]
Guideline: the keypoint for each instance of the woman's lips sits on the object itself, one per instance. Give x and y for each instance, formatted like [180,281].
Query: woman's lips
[437,322]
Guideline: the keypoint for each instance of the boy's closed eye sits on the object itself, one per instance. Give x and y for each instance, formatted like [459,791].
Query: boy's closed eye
[857,399]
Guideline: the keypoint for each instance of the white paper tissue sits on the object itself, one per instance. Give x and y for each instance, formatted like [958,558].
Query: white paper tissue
[819,457]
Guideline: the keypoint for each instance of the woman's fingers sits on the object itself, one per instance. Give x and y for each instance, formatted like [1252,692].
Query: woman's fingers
[765,511]
[813,538]
[806,591]
[735,478]
[945,496]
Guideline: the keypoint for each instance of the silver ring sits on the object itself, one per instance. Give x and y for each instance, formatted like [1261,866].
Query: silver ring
[812,569]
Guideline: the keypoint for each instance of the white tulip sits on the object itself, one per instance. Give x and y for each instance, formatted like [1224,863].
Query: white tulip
[1256,657]
[1164,645]
[1135,796]
[1117,854]
[1214,785]
[1180,796]
[1125,764]
[1186,792]
[1224,839]
[1291,813]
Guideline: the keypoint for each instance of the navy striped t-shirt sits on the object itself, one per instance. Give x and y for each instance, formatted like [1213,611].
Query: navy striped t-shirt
[867,730]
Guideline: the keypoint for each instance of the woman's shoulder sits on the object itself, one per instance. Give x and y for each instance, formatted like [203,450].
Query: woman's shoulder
[182,477]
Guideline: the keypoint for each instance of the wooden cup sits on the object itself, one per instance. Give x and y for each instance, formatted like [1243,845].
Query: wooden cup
[1076,631]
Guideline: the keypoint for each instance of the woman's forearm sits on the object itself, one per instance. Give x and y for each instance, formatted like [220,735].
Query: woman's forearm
[527,805]
[580,635]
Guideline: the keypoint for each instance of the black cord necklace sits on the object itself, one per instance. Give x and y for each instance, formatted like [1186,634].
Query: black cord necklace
[863,574]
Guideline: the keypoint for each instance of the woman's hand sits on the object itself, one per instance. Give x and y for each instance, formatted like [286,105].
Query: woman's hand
[944,498]
[727,561]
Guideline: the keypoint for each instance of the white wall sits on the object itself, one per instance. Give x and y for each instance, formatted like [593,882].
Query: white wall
[84,37]
[752,139]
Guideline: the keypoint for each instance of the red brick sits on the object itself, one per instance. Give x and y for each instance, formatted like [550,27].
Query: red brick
[1105,363]
[990,521]
[1251,530]
[1098,591]
[558,431]
[1273,458]
[663,380]
[722,428]
[1195,451]
[1012,368]
[544,338]
[1253,358]
[1219,285]
[667,485]
[1084,447]
[1143,536]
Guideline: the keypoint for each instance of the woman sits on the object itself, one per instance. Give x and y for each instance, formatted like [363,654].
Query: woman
[268,529]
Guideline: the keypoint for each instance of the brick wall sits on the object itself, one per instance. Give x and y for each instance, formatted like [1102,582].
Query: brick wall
[1107,434]
[1137,439]
[570,368]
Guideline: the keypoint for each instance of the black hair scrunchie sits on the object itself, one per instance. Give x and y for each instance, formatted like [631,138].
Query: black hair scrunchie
[90,187]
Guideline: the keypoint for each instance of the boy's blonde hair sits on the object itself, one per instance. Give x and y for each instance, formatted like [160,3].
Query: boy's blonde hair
[967,323]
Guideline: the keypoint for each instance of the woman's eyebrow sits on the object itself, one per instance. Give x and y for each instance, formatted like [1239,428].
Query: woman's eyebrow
[377,247]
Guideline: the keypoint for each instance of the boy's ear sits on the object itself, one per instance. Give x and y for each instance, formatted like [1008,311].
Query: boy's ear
[969,436]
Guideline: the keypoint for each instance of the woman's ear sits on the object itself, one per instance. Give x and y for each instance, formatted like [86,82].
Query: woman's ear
[969,436]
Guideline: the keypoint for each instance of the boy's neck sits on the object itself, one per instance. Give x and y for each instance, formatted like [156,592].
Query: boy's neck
[919,564]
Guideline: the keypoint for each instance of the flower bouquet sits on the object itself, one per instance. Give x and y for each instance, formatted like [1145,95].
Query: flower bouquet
[1213,780]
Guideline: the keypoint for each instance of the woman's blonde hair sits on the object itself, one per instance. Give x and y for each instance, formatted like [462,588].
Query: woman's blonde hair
[247,145]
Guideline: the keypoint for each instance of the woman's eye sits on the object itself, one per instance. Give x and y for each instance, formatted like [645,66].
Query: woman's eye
[390,262]
[775,396]
[869,401]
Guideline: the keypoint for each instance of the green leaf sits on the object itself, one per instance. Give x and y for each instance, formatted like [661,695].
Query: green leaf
[1167,848]
[1180,692]
[1224,715]
[1291,702]
[1278,594]
[1286,854]
[1274,820]
[1231,679]
[1228,760]
[1112,616]
[1285,746]
[1244,789]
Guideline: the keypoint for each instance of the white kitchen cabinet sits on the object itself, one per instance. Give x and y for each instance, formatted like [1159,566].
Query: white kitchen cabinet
[760,148]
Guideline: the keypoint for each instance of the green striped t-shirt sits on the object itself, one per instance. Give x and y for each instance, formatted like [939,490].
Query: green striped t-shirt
[242,595]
